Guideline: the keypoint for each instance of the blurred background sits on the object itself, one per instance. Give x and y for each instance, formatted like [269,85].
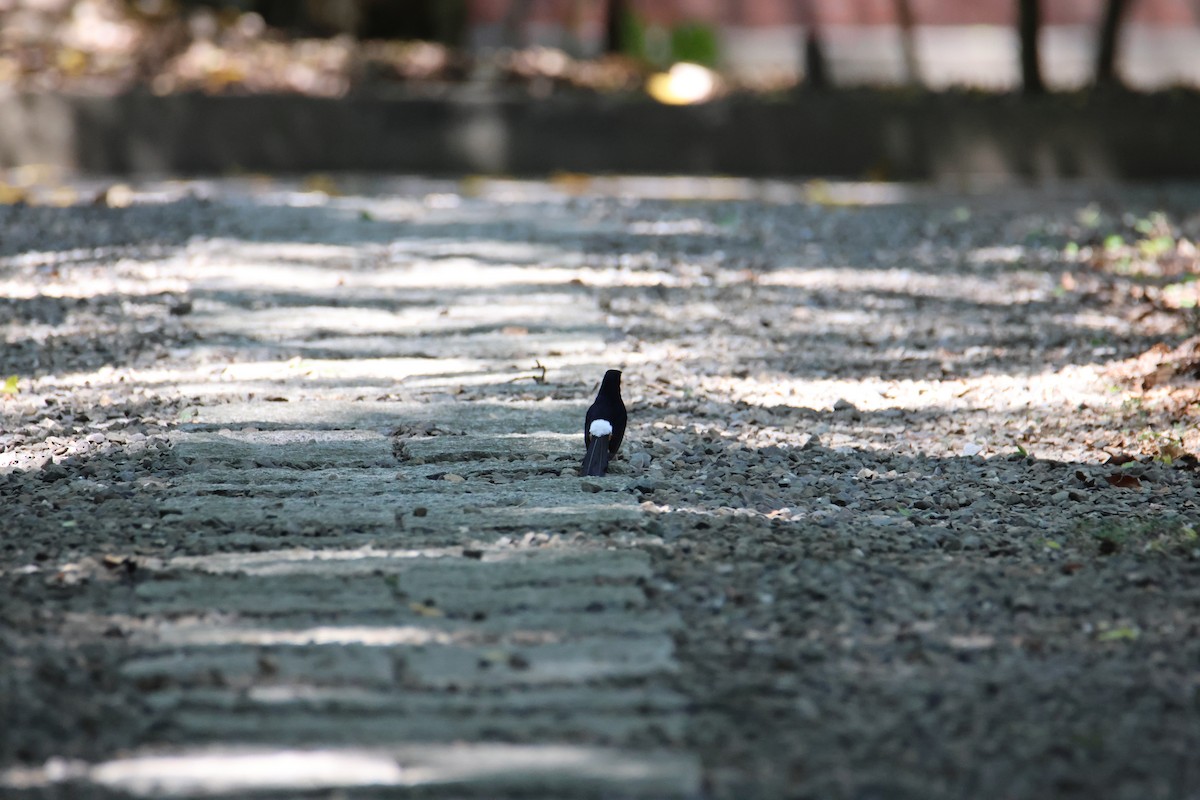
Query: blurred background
[883,69]
[330,47]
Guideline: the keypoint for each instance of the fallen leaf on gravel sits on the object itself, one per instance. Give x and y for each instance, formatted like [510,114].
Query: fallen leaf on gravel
[1122,634]
[10,385]
[425,610]
[1160,364]
[1119,459]
[1170,451]
[1123,480]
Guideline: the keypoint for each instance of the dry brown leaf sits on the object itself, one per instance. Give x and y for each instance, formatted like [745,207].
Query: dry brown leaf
[1123,480]
[1171,451]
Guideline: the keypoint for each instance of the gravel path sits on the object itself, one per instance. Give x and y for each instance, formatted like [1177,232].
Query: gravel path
[289,481]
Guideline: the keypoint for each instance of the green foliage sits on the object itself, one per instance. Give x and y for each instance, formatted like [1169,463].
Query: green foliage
[1143,247]
[694,42]
[1182,292]
[1154,224]
[10,385]
[690,41]
[1157,246]
[633,35]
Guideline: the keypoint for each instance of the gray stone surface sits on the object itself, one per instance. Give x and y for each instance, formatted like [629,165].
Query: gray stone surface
[288,489]
[415,588]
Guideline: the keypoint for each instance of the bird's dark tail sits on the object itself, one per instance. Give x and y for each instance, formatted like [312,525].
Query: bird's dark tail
[595,463]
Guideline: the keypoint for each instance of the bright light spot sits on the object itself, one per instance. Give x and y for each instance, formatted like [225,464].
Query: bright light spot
[1011,254]
[227,773]
[684,84]
[206,635]
[673,227]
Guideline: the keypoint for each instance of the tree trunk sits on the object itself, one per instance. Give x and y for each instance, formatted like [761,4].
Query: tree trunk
[908,44]
[1029,23]
[816,67]
[614,25]
[1106,47]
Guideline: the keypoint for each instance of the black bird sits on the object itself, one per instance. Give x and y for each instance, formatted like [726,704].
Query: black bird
[604,425]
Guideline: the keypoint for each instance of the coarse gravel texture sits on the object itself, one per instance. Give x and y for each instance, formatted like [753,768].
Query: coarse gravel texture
[924,531]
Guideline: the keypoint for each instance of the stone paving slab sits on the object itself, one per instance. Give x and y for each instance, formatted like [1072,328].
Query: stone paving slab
[297,627]
[416,591]
[437,565]
[482,507]
[320,593]
[454,667]
[309,725]
[479,417]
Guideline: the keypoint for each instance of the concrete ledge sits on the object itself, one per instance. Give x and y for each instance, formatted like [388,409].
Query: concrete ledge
[840,134]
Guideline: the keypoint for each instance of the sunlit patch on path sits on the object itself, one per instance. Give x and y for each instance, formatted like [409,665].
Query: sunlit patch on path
[378,567]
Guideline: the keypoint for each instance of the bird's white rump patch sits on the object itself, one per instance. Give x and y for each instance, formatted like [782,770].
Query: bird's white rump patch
[600,427]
